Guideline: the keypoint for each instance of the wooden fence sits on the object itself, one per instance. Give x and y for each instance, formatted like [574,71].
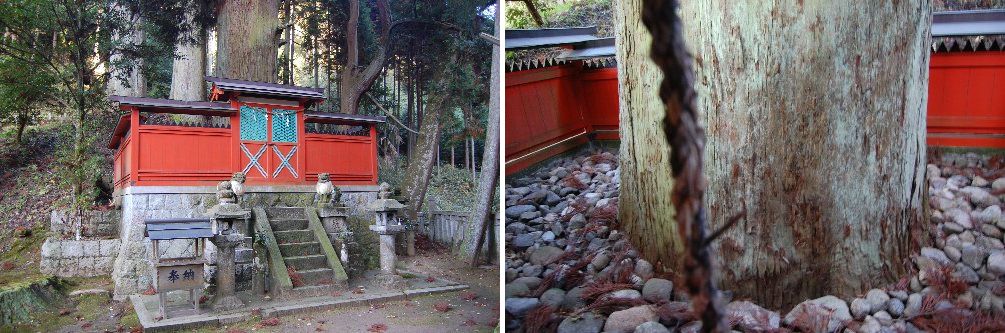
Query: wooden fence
[448,227]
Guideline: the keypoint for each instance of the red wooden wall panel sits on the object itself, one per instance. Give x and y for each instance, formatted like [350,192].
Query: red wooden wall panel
[173,154]
[346,158]
[966,99]
[549,110]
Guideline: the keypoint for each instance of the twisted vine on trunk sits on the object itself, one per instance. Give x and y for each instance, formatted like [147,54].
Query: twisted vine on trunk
[687,142]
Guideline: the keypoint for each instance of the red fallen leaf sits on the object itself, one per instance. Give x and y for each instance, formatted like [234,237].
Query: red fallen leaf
[442,307]
[203,299]
[136,329]
[377,328]
[150,291]
[7,265]
[86,325]
[256,312]
[359,290]
[270,322]
[319,329]
[430,279]
[64,312]
[469,296]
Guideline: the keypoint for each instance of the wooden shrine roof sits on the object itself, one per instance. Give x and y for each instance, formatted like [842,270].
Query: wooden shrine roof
[322,116]
[266,89]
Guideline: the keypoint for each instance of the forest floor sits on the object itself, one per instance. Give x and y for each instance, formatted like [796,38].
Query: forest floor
[569,268]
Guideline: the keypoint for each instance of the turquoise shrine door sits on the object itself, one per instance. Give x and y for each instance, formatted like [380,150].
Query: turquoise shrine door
[269,150]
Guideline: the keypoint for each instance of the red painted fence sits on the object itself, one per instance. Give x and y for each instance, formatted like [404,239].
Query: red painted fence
[168,155]
[966,99]
[553,109]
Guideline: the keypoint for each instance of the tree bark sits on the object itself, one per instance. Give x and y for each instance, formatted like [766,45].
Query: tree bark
[189,66]
[481,219]
[815,114]
[246,40]
[126,75]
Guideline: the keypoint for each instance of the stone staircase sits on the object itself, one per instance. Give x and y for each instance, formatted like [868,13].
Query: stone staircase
[310,271]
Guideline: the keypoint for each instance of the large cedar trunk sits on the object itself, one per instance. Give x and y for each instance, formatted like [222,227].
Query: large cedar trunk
[189,66]
[126,74]
[246,40]
[815,116]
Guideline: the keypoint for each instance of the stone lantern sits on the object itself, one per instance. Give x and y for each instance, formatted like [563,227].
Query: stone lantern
[387,225]
[230,228]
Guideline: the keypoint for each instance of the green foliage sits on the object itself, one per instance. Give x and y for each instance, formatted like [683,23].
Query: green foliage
[563,14]
[450,188]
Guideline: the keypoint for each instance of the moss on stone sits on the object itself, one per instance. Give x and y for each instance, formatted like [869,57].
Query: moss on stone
[364,251]
[22,303]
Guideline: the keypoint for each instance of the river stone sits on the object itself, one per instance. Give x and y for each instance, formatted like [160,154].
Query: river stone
[829,308]
[979,182]
[884,318]
[601,260]
[750,317]
[657,290]
[952,228]
[643,269]
[651,327]
[625,321]
[630,294]
[998,185]
[859,308]
[524,240]
[870,325]
[545,255]
[913,305]
[585,323]
[972,256]
[895,307]
[877,300]
[515,289]
[574,298]
[996,263]
[935,255]
[514,212]
[531,281]
[553,297]
[519,306]
[952,253]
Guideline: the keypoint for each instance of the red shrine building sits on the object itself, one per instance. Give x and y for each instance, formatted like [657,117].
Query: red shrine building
[170,155]
[260,129]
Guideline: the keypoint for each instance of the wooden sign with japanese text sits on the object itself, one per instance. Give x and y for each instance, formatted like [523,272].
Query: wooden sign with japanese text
[181,277]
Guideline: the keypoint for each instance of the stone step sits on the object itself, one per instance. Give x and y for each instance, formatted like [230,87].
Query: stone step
[294,236]
[300,249]
[315,277]
[285,212]
[288,224]
[303,263]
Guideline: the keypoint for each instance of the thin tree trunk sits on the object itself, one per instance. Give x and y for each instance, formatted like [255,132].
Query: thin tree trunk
[289,29]
[246,40]
[481,219]
[777,119]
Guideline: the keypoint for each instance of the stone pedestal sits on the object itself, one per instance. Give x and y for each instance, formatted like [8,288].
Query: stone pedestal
[225,298]
[388,276]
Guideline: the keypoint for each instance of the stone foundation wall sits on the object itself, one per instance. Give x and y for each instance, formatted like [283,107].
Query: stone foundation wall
[94,224]
[133,269]
[83,258]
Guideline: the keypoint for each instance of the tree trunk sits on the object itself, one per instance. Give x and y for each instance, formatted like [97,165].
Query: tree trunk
[126,75]
[189,66]
[289,30]
[246,40]
[481,219]
[787,89]
[420,166]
